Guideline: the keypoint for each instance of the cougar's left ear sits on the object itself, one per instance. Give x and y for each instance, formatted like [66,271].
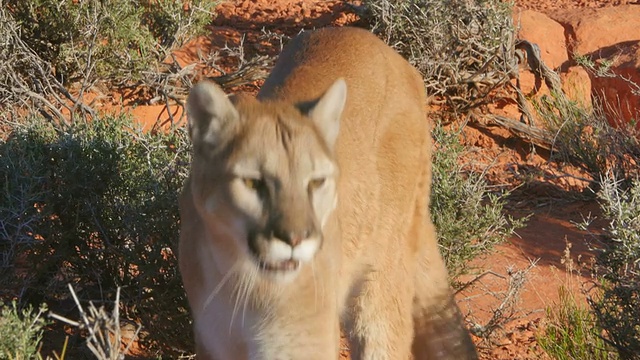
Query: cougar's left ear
[327,111]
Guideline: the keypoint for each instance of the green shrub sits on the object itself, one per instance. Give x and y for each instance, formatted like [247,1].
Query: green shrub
[95,205]
[469,218]
[571,332]
[463,48]
[617,301]
[21,331]
[610,156]
[108,39]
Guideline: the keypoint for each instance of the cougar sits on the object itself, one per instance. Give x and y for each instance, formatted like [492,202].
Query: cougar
[306,211]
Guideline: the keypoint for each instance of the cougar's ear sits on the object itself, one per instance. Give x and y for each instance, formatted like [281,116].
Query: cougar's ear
[209,111]
[327,111]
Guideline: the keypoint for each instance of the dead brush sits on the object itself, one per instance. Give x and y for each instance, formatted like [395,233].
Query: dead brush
[582,136]
[104,333]
[53,53]
[507,309]
[464,49]
[27,80]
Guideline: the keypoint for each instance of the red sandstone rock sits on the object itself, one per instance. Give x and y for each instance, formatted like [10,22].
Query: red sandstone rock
[538,28]
[589,30]
[576,83]
[620,93]
[605,35]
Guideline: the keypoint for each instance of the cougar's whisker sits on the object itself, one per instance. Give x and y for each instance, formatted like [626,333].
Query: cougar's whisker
[253,276]
[219,286]
[237,293]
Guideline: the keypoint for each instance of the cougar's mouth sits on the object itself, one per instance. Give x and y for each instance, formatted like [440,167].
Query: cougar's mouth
[286,265]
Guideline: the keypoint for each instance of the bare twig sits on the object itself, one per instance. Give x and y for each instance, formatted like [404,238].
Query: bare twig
[173,83]
[27,79]
[506,311]
[105,337]
[478,278]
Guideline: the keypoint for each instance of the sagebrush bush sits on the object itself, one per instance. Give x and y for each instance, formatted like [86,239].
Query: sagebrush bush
[106,39]
[95,205]
[464,48]
[21,331]
[617,300]
[469,218]
[610,156]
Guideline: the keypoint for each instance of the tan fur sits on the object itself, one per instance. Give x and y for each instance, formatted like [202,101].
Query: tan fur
[377,271]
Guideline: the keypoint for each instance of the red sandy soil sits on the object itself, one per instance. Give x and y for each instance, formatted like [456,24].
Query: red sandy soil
[546,196]
[548,6]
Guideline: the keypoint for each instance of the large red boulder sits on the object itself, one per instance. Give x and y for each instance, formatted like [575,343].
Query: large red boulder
[607,38]
[539,28]
[549,35]
[589,30]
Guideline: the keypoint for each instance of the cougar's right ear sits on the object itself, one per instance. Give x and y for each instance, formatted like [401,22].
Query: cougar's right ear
[209,111]
[326,113]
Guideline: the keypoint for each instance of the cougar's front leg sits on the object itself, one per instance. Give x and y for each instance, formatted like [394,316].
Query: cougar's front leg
[379,318]
[440,333]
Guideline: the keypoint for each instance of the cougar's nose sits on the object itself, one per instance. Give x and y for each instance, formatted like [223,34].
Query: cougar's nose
[293,238]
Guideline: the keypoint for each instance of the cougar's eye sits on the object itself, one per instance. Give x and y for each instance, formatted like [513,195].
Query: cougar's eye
[315,184]
[254,184]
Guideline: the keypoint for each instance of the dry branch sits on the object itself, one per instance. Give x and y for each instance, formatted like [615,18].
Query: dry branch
[171,85]
[28,80]
[535,135]
[526,128]
[464,49]
[255,69]
[532,55]
[105,336]
[507,310]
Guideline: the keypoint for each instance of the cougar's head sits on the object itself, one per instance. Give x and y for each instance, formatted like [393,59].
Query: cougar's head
[263,174]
